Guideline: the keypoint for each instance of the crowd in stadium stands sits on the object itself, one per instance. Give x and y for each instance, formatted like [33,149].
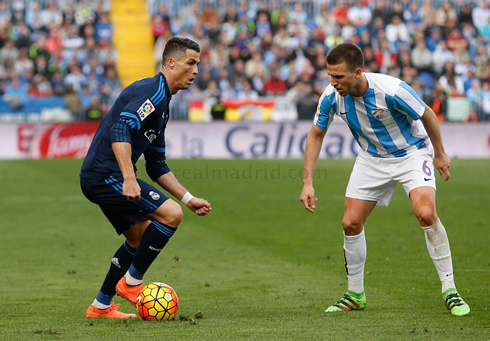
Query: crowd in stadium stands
[249,50]
[58,48]
[261,48]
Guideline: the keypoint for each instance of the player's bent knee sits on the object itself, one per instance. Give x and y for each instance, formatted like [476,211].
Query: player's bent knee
[169,213]
[426,215]
[352,227]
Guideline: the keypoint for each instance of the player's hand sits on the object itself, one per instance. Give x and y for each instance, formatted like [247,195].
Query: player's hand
[442,163]
[199,206]
[132,190]
[308,198]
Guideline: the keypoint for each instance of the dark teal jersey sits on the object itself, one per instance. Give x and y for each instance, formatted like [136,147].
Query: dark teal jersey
[139,116]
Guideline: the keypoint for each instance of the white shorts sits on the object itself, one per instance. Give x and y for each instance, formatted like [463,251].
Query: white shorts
[375,179]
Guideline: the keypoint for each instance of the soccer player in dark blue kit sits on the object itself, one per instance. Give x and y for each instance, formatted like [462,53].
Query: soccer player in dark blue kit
[146,217]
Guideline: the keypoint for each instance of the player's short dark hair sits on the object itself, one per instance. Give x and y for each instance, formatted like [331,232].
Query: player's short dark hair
[176,47]
[349,53]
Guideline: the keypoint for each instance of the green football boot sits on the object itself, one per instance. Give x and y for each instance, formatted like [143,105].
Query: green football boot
[350,301]
[455,303]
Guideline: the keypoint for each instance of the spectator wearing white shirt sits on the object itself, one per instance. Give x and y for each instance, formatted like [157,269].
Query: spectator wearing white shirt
[52,16]
[299,14]
[441,55]
[359,15]
[5,15]
[421,57]
[397,30]
[481,14]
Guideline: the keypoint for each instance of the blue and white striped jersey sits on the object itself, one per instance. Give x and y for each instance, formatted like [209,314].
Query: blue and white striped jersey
[385,121]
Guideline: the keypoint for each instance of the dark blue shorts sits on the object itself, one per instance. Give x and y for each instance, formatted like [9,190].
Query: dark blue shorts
[107,193]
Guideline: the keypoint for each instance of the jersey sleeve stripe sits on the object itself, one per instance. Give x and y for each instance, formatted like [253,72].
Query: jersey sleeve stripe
[134,119]
[160,98]
[159,95]
[405,129]
[159,91]
[326,110]
[406,99]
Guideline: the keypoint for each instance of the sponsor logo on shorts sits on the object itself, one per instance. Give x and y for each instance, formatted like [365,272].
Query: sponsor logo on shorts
[154,195]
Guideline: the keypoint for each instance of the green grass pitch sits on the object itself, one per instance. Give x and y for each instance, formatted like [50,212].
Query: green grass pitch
[259,267]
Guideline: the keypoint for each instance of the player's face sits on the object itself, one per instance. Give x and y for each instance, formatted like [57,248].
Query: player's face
[343,80]
[185,69]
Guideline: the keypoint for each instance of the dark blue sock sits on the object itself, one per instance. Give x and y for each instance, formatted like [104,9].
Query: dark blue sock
[153,241]
[119,265]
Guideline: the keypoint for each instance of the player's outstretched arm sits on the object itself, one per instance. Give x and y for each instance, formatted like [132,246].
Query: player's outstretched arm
[442,162]
[169,182]
[313,146]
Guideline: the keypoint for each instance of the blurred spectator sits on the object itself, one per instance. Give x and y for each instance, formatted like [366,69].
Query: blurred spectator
[359,15]
[481,14]
[446,13]
[422,57]
[412,14]
[162,12]
[451,83]
[465,15]
[52,15]
[381,11]
[255,65]
[75,79]
[84,13]
[262,25]
[34,18]
[298,14]
[231,14]
[397,30]
[5,15]
[274,86]
[9,53]
[103,28]
[246,91]
[110,78]
[340,13]
[485,116]
[15,94]
[58,83]
[72,39]
[23,63]
[484,30]
[441,56]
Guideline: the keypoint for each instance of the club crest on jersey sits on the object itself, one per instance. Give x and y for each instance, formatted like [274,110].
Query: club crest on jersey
[146,109]
[150,135]
[379,113]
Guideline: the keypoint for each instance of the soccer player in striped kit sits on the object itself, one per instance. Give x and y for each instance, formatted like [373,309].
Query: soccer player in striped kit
[400,141]
[146,217]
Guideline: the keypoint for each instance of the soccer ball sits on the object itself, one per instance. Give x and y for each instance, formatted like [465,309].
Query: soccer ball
[157,301]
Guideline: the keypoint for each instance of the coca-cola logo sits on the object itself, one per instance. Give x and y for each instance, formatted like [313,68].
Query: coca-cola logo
[64,141]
